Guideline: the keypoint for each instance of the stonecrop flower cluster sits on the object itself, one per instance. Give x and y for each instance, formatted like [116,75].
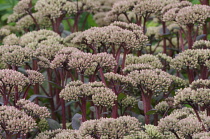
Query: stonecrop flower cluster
[105,69]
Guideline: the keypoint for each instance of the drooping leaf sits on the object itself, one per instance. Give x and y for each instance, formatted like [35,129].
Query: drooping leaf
[37,96]
[65,33]
[141,105]
[5,6]
[76,121]
[55,85]
[167,32]
[53,124]
[200,37]
[150,112]
[92,108]
[67,104]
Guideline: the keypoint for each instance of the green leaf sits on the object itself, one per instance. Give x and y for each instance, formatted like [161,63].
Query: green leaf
[5,7]
[53,124]
[5,17]
[150,112]
[36,96]
[55,85]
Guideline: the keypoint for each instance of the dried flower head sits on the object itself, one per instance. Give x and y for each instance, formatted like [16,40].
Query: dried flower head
[15,121]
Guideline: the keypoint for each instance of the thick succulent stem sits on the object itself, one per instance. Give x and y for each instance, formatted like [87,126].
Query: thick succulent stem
[199,118]
[164,39]
[63,113]
[190,73]
[49,75]
[83,109]
[146,98]
[189,37]
[115,110]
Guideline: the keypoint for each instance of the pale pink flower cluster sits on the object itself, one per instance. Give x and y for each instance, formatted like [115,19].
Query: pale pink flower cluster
[119,79]
[54,8]
[182,122]
[33,109]
[15,121]
[201,44]
[43,36]
[17,57]
[129,101]
[112,34]
[196,14]
[198,97]
[12,78]
[144,59]
[191,58]
[101,95]
[156,81]
[11,39]
[110,127]
[22,6]
[132,67]
[35,77]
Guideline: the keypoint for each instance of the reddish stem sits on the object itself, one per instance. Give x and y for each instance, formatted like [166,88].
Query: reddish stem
[83,109]
[189,37]
[164,39]
[63,113]
[114,110]
[146,98]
